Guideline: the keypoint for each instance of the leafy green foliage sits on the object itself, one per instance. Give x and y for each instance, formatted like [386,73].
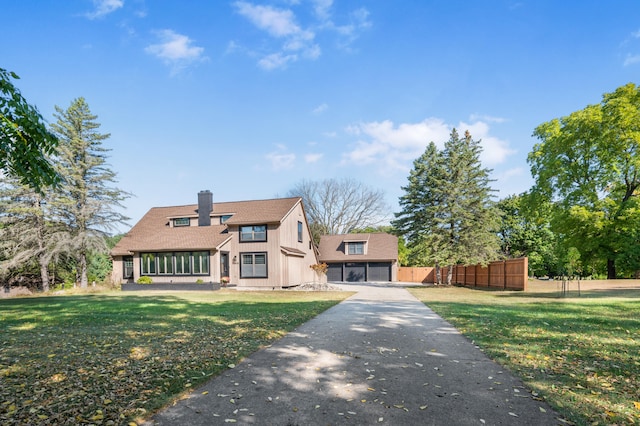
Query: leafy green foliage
[588,165]
[100,359]
[578,354]
[525,230]
[25,143]
[145,279]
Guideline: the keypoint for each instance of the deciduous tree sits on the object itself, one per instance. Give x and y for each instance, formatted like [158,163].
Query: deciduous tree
[25,142]
[338,206]
[588,165]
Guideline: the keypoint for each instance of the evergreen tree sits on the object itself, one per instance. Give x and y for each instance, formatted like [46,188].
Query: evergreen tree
[86,202]
[26,233]
[447,213]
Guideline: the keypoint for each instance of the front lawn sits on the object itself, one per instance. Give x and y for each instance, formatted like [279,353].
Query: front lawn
[579,353]
[115,358]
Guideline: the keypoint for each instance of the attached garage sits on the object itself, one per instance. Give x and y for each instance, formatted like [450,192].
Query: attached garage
[359,271]
[334,273]
[355,272]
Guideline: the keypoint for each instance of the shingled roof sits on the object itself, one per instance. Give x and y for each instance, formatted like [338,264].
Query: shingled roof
[380,247]
[154,233]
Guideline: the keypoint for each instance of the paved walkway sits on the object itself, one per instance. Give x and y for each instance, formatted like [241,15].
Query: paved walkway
[379,358]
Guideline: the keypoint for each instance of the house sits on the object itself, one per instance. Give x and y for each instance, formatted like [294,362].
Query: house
[360,257]
[257,244]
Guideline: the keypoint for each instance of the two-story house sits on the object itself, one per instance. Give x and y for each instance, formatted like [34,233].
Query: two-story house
[256,244]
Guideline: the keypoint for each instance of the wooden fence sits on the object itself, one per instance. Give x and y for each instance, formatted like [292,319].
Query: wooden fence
[511,274]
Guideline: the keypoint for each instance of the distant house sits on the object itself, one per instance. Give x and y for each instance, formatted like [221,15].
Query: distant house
[260,243]
[360,257]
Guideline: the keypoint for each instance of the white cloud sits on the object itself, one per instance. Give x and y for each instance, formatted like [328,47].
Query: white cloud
[313,158]
[487,118]
[175,49]
[394,147]
[631,59]
[276,60]
[294,40]
[104,7]
[281,161]
[320,108]
[322,9]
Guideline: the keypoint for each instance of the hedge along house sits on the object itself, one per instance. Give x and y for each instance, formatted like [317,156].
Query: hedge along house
[360,257]
[257,244]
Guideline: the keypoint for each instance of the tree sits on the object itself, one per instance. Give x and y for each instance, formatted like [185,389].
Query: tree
[26,233]
[447,212]
[86,202]
[525,230]
[339,206]
[588,165]
[25,142]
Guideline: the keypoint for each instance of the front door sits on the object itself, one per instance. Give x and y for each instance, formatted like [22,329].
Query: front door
[224,264]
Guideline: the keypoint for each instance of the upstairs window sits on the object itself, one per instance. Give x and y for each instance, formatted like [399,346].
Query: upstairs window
[355,247]
[299,232]
[181,221]
[224,218]
[253,233]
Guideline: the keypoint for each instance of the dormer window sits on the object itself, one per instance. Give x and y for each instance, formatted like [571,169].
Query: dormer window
[224,218]
[181,221]
[355,247]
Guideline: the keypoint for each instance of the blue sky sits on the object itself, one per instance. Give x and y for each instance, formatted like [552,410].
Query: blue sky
[247,98]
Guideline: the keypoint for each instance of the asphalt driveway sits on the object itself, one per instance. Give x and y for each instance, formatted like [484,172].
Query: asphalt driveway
[380,357]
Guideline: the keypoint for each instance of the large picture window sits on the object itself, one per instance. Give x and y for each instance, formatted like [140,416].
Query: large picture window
[178,263]
[253,233]
[253,265]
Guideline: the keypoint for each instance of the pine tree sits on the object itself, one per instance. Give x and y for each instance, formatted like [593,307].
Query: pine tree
[447,213]
[26,233]
[86,201]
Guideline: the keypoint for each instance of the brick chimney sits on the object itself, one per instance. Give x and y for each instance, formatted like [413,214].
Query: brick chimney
[205,207]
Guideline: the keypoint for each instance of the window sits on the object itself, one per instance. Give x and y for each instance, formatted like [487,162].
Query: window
[179,263]
[165,263]
[181,221]
[356,247]
[200,262]
[148,261]
[224,218]
[127,262]
[299,232]
[183,263]
[253,233]
[253,265]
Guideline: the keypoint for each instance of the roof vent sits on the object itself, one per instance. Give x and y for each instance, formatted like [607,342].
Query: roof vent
[205,207]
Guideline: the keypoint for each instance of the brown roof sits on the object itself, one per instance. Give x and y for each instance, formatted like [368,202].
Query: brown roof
[153,233]
[380,247]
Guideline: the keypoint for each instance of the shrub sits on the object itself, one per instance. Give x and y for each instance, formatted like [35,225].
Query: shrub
[144,280]
[199,281]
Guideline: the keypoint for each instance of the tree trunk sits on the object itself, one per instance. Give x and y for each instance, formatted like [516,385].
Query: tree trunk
[82,269]
[438,274]
[449,275]
[44,274]
[611,269]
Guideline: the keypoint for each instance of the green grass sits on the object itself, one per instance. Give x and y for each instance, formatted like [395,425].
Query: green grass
[579,353]
[114,358]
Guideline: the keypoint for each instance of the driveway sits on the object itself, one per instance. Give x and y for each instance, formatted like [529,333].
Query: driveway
[380,357]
